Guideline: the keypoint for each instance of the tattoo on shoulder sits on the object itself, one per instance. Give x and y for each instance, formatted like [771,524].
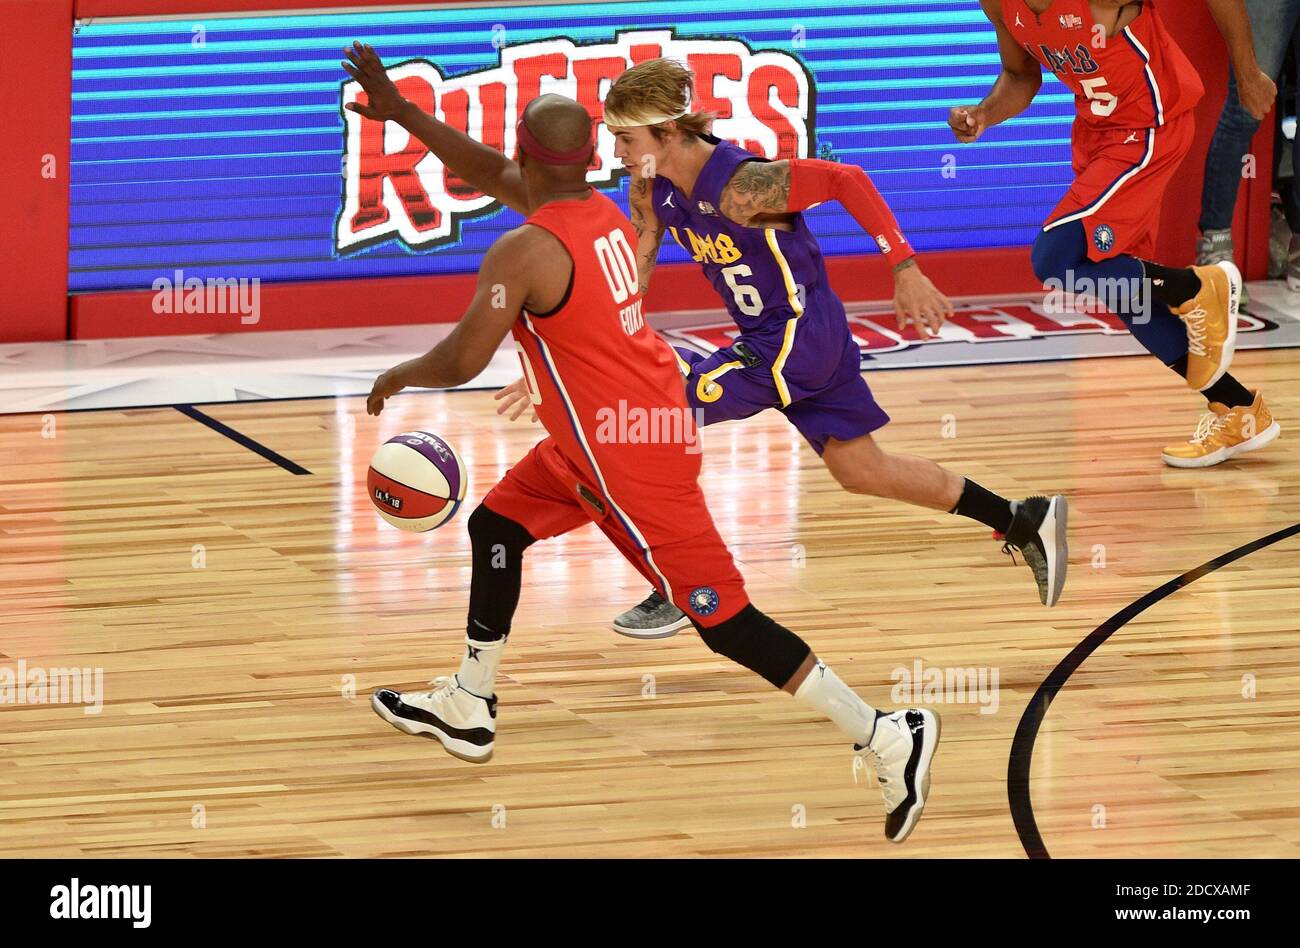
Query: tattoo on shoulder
[757,187]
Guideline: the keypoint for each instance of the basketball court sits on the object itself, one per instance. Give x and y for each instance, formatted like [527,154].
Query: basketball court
[223,566]
[201,596]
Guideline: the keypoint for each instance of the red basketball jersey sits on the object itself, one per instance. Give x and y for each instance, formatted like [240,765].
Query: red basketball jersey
[1138,78]
[601,380]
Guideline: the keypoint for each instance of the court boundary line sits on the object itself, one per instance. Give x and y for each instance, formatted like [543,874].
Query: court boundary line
[241,439]
[1020,759]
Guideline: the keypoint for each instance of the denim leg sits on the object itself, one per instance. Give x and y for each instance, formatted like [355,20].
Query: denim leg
[1273,23]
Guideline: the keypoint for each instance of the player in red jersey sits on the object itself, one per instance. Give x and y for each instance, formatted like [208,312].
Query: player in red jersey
[565,283]
[1134,90]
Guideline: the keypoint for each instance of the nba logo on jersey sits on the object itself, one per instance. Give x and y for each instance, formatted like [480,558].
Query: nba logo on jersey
[1103,237]
[704,600]
[883,244]
[706,208]
[1070,21]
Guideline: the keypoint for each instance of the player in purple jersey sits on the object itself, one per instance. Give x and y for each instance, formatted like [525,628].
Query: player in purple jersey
[795,352]
[738,216]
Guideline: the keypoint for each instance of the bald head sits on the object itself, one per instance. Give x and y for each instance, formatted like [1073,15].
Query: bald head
[558,123]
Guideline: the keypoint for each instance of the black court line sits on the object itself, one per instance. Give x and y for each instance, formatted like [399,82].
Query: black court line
[1022,747]
[241,439]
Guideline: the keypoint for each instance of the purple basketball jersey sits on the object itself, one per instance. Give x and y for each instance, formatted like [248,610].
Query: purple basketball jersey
[773,282]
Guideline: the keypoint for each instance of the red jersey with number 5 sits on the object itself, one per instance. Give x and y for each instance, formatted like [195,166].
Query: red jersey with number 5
[604,384]
[1138,78]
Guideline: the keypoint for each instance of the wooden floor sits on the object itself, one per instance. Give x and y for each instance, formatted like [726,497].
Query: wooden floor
[236,718]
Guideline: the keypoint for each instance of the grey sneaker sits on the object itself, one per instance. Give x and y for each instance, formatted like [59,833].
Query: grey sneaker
[1038,531]
[1279,235]
[1215,246]
[653,618]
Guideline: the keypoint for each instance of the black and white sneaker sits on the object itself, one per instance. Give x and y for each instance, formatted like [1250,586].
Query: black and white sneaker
[653,618]
[1038,529]
[900,750]
[464,723]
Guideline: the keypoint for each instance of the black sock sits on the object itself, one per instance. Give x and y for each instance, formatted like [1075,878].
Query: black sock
[1172,286]
[1227,391]
[985,506]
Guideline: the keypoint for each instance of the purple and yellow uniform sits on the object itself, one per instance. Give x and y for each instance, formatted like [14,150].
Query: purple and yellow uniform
[795,352]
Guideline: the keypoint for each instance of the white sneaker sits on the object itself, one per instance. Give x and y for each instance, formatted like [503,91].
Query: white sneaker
[899,751]
[463,722]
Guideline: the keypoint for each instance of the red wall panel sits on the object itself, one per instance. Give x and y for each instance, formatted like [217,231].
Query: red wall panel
[393,301]
[36,49]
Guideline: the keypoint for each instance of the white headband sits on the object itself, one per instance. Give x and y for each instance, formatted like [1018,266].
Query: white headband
[639,117]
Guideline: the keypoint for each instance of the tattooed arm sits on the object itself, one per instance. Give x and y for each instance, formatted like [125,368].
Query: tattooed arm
[649,228]
[762,191]
[758,190]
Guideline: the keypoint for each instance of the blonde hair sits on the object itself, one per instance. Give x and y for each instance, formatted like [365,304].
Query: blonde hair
[653,93]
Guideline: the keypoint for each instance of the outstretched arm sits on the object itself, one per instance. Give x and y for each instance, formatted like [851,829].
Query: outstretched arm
[502,289]
[762,190]
[1015,88]
[1255,88]
[481,166]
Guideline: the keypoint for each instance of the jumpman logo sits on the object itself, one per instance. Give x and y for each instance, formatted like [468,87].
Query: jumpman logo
[1018,23]
[668,202]
[1132,137]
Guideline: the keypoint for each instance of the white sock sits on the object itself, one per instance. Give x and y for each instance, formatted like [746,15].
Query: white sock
[478,669]
[823,691]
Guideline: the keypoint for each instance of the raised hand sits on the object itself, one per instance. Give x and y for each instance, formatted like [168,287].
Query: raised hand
[363,64]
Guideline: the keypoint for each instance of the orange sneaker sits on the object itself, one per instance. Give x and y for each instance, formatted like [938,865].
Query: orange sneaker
[1211,320]
[1224,432]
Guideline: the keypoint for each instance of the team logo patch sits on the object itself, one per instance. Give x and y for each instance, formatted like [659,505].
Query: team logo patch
[704,601]
[1103,237]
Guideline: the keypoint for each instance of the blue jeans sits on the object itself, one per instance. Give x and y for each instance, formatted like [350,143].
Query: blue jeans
[1274,24]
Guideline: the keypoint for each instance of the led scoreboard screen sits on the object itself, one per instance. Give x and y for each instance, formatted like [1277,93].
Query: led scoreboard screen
[220,144]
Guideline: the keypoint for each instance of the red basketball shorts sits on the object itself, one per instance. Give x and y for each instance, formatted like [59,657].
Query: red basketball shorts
[1120,180]
[666,532]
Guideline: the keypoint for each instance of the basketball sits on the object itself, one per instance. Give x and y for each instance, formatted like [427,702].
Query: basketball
[416,481]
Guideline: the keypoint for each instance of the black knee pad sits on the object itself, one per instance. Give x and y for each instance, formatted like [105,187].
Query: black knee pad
[487,529]
[758,642]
